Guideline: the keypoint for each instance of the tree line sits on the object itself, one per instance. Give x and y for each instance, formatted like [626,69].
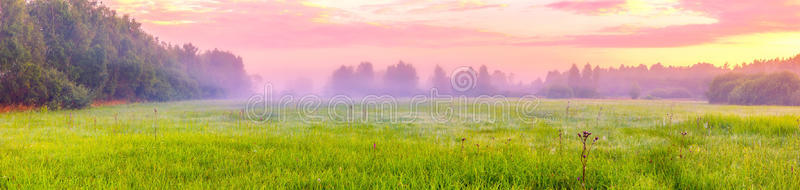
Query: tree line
[641,81]
[68,53]
[762,82]
[656,81]
[779,88]
[402,79]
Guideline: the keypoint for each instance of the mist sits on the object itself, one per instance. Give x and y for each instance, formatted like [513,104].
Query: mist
[403,79]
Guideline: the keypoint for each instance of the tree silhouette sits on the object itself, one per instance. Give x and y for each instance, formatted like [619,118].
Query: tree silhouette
[401,79]
[441,81]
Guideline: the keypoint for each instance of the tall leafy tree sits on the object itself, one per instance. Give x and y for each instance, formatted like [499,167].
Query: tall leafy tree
[67,53]
[401,79]
[574,77]
[441,81]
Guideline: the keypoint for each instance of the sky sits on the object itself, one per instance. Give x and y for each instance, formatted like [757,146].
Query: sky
[282,40]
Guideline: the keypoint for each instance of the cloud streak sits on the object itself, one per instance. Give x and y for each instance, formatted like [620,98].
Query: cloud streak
[733,18]
[293,24]
[303,24]
[588,7]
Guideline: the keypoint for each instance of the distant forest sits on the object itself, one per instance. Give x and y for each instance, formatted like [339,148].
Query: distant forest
[653,82]
[778,88]
[66,54]
[656,81]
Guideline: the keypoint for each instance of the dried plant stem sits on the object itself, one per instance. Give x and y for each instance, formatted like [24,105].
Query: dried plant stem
[155,122]
[587,149]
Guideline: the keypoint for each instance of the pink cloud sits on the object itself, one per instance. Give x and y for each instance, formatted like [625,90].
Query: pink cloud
[734,18]
[588,7]
[293,24]
[454,6]
[475,7]
[424,6]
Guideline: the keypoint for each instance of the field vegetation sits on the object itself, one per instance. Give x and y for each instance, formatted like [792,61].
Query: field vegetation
[211,144]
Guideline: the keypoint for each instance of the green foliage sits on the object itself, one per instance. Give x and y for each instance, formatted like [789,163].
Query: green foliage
[205,145]
[30,84]
[94,54]
[74,97]
[770,125]
[722,86]
[781,88]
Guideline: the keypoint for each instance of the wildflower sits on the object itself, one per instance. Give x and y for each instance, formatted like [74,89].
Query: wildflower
[587,148]
[462,144]
[680,153]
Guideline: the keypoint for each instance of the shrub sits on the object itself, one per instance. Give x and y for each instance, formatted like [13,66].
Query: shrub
[33,85]
[635,91]
[558,91]
[74,97]
[773,89]
[722,85]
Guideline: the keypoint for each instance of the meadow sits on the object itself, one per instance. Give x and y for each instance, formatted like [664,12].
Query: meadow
[211,144]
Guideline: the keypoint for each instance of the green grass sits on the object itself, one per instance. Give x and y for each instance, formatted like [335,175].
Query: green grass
[205,144]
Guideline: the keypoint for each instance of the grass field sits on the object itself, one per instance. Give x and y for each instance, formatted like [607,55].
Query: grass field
[208,145]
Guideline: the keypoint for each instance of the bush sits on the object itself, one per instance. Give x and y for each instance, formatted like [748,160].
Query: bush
[74,97]
[31,85]
[635,91]
[558,91]
[722,86]
[773,89]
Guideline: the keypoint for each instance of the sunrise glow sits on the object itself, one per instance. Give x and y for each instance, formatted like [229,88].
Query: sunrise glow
[529,37]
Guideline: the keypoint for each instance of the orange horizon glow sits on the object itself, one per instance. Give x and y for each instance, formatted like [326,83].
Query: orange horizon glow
[279,39]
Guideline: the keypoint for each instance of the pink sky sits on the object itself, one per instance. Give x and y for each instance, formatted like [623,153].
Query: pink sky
[283,39]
